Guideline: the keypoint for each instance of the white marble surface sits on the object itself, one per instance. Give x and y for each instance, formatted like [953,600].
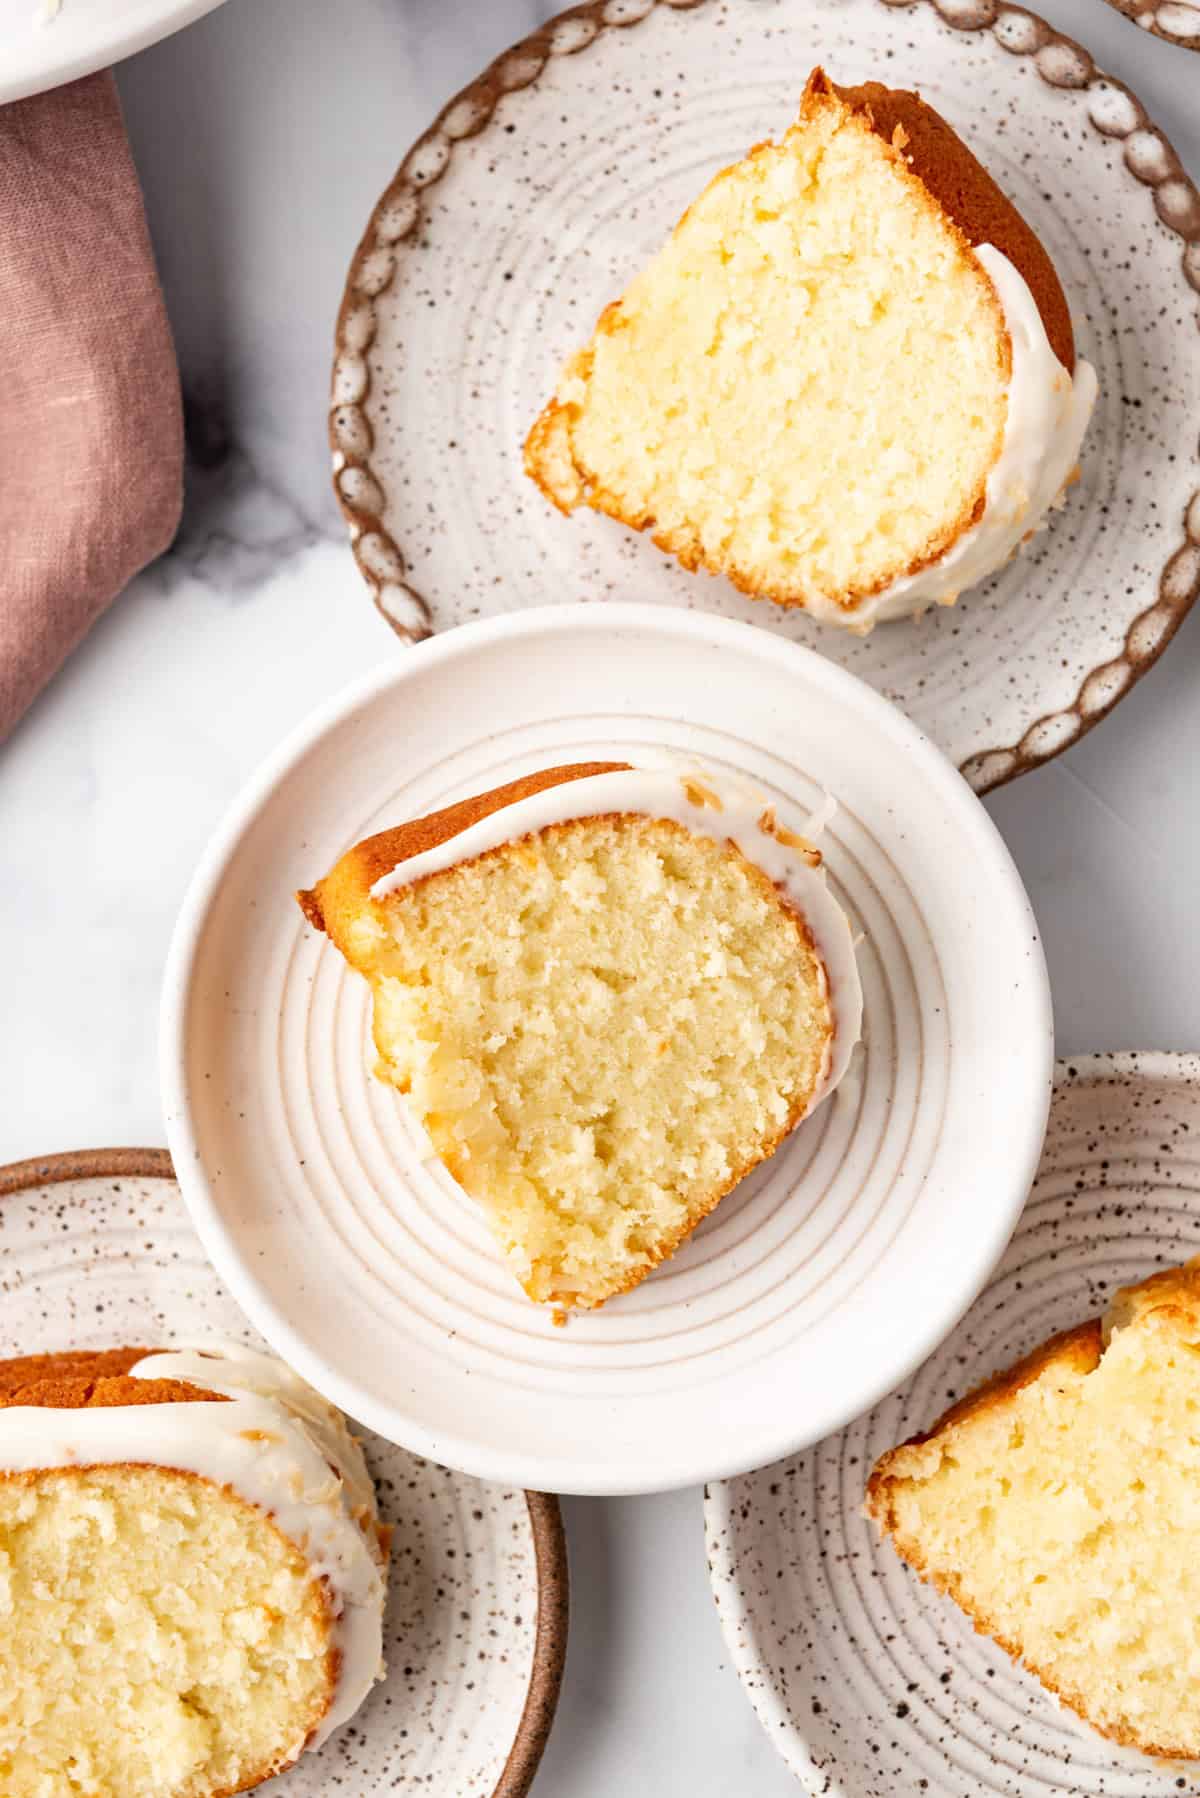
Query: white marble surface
[264,134]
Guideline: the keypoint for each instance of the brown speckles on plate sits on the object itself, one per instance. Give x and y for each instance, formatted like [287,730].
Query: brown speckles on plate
[98,1250]
[869,1683]
[520,213]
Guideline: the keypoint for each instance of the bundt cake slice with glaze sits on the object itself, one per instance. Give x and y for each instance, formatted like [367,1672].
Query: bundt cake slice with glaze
[1060,1505]
[607,994]
[848,379]
[191,1573]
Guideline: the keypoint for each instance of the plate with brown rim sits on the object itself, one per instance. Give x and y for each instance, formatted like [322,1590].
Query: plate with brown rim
[1175,21]
[549,180]
[97,1250]
[870,1683]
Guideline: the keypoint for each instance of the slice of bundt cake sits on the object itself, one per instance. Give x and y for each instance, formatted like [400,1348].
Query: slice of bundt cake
[848,379]
[1059,1505]
[191,1573]
[608,994]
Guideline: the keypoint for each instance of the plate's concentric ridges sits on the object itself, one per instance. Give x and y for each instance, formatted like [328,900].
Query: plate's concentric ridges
[106,1258]
[512,222]
[869,1683]
[352,1248]
[794,1235]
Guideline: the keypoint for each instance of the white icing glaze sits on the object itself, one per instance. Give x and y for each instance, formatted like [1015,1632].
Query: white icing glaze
[1048,414]
[277,1444]
[675,792]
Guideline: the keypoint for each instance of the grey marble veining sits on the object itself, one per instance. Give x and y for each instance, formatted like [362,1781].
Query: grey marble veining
[264,136]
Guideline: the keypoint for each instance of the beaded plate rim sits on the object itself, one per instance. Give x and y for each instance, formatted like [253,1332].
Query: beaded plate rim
[1149,157]
[545,1512]
[1164,18]
[1148,1069]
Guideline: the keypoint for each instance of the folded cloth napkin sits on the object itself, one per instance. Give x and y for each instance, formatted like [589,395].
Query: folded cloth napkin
[91,435]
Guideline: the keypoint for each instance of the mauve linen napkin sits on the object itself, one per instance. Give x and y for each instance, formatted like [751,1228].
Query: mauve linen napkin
[91,433]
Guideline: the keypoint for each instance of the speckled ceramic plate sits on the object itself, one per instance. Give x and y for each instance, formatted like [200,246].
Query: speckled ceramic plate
[869,1683]
[318,1195]
[1176,21]
[543,186]
[96,1249]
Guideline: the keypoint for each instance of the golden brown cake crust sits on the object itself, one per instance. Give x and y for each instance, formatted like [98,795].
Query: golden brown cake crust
[965,191]
[954,183]
[1175,1294]
[334,903]
[346,888]
[1078,1348]
[81,1379]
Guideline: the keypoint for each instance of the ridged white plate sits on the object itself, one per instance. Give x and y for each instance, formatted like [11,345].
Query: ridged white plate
[869,1683]
[551,179]
[829,1272]
[96,1251]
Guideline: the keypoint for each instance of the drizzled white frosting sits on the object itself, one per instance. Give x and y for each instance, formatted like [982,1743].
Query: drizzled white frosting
[1048,413]
[277,1444]
[682,793]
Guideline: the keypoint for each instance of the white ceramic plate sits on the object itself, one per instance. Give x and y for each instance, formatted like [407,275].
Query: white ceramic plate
[96,1251]
[545,184]
[41,47]
[356,1254]
[869,1683]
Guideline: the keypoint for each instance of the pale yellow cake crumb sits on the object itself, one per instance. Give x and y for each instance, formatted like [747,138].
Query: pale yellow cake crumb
[1060,1506]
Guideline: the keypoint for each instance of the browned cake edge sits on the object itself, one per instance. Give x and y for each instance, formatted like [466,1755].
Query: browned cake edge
[335,901]
[1174,1293]
[340,897]
[1173,1296]
[85,1379]
[925,147]
[965,191]
[81,1379]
